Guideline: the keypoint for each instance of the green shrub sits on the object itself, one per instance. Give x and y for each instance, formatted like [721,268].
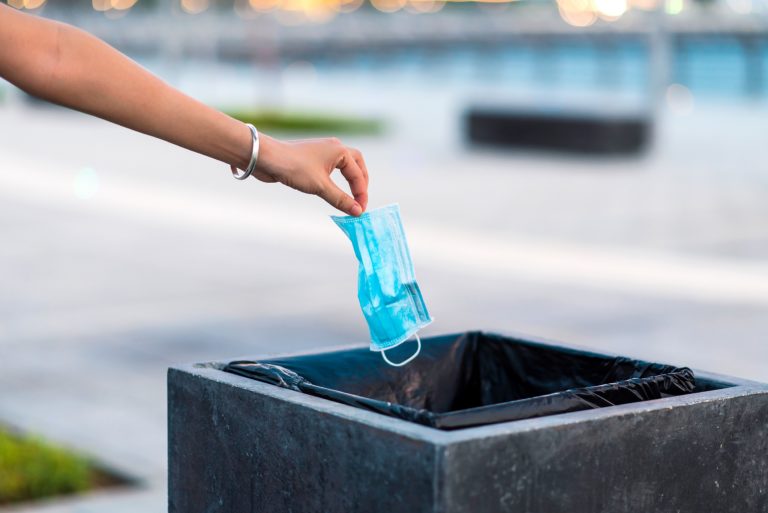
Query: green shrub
[280,121]
[31,468]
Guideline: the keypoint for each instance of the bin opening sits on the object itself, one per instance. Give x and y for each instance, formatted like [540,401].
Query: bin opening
[473,379]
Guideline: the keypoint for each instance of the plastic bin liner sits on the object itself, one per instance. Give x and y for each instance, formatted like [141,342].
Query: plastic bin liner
[472,379]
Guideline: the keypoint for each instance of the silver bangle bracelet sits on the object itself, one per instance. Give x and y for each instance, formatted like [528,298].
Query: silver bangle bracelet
[254,156]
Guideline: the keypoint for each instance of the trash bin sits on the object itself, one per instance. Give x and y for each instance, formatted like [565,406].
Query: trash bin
[473,379]
[349,441]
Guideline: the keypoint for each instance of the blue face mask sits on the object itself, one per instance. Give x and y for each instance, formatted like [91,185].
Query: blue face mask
[389,296]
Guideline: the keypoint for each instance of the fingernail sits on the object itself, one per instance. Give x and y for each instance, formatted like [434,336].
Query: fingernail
[356,210]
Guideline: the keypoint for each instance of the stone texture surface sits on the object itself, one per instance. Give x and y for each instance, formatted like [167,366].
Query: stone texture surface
[236,444]
[689,456]
[233,449]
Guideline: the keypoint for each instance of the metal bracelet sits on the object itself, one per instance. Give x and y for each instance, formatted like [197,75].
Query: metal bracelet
[254,156]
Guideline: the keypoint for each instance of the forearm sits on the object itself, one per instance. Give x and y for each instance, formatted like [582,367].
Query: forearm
[74,69]
[65,65]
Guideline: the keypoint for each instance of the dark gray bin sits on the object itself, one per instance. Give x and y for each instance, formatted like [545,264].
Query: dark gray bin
[238,445]
[573,131]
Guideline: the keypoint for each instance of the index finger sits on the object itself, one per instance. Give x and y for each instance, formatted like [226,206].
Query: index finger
[355,176]
[361,162]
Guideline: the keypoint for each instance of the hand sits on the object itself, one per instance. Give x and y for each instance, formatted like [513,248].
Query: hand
[307,165]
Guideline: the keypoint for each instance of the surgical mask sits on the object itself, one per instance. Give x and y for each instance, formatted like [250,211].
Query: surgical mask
[386,288]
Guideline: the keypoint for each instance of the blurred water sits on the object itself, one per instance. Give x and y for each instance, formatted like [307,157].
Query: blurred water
[441,81]
[422,93]
[715,68]
[720,67]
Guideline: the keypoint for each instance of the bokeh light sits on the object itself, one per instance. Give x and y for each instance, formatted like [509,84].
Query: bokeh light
[33,4]
[644,5]
[101,5]
[86,183]
[674,7]
[425,6]
[578,13]
[388,5]
[610,10]
[297,12]
[122,5]
[679,99]
[195,6]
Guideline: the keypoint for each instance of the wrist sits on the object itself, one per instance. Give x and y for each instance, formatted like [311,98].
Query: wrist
[269,148]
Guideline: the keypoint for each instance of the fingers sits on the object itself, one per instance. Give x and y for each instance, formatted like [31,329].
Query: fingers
[361,163]
[340,199]
[355,175]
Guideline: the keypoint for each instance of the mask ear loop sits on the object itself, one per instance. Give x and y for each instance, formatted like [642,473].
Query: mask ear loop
[407,360]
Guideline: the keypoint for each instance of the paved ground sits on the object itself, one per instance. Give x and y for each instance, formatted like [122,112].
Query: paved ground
[121,255]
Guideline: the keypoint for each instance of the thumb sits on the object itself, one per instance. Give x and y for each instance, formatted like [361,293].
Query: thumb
[340,199]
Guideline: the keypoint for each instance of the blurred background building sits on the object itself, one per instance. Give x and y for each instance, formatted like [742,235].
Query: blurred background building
[121,254]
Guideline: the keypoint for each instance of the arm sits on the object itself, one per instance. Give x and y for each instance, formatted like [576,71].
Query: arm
[65,65]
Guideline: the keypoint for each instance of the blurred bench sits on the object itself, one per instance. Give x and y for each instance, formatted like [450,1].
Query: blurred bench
[559,130]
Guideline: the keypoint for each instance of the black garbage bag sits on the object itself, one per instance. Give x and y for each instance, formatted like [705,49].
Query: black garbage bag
[472,379]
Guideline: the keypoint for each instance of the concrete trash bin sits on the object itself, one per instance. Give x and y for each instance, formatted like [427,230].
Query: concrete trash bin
[473,379]
[241,445]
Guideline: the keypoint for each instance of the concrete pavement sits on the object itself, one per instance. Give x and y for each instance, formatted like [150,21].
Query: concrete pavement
[122,255]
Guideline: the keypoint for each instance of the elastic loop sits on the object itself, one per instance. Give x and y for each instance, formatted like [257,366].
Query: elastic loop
[407,360]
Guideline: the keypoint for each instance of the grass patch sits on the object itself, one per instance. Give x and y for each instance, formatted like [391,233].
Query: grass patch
[31,468]
[283,121]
